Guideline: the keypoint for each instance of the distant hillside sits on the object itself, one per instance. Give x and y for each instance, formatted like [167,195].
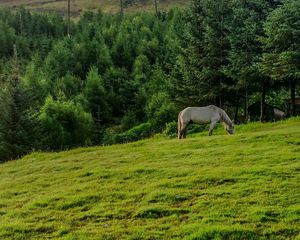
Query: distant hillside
[244,186]
[110,6]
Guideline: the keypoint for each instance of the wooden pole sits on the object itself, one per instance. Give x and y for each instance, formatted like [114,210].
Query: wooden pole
[156,9]
[69,16]
[122,7]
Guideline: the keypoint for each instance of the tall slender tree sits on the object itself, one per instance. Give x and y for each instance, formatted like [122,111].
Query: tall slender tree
[245,30]
[282,45]
[207,53]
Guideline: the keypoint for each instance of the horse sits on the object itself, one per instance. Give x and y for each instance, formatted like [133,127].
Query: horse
[201,115]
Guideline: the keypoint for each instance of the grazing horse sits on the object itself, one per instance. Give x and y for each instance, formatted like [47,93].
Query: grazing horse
[209,114]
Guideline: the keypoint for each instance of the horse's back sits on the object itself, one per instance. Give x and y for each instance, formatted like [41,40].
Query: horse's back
[201,114]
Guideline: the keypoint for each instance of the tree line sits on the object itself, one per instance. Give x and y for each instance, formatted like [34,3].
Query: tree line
[108,79]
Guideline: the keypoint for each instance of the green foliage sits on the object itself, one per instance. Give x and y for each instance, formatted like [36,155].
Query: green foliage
[64,125]
[95,94]
[171,129]
[116,134]
[7,39]
[202,66]
[245,31]
[282,42]
[61,59]
[36,84]
[160,110]
[128,121]
[141,131]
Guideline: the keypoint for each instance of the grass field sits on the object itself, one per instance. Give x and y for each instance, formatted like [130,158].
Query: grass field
[111,6]
[244,186]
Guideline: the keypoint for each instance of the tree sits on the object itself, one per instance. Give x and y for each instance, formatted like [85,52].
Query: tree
[282,45]
[12,132]
[7,39]
[64,125]
[202,64]
[96,97]
[245,29]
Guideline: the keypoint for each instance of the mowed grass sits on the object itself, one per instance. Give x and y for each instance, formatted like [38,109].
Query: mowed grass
[244,186]
[109,6]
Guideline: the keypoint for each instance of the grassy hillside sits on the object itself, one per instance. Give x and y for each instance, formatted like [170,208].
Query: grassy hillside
[111,6]
[244,186]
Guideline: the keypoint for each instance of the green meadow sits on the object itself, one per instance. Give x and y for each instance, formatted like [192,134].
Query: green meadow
[244,186]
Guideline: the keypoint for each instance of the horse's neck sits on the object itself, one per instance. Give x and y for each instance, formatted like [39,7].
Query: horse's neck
[224,117]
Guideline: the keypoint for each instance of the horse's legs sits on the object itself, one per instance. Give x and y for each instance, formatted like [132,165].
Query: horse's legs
[184,132]
[184,129]
[212,125]
[181,132]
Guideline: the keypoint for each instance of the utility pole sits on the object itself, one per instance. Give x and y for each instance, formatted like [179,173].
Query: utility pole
[156,9]
[69,16]
[122,7]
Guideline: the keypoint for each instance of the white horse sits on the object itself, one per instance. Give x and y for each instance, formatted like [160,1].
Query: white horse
[209,114]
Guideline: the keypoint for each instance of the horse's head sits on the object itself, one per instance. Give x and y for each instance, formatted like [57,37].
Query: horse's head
[230,128]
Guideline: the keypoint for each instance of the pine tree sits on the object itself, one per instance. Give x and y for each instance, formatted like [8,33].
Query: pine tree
[201,67]
[282,46]
[245,49]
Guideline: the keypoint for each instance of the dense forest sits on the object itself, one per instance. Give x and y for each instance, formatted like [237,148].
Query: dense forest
[118,78]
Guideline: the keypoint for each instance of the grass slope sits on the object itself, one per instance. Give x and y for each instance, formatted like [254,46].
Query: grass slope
[111,6]
[244,186]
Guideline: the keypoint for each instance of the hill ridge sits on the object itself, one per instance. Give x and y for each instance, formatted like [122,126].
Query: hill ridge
[107,6]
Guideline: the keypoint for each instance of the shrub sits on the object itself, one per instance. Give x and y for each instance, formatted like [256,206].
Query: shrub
[110,135]
[141,131]
[160,110]
[171,129]
[64,125]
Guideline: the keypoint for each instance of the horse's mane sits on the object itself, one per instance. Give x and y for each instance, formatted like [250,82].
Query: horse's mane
[225,118]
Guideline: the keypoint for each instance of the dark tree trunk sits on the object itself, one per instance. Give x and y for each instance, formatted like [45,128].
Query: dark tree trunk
[236,109]
[246,104]
[156,9]
[21,24]
[293,96]
[218,101]
[220,93]
[262,101]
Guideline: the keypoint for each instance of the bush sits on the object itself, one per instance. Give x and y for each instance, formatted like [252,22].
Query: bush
[160,110]
[64,125]
[128,121]
[141,131]
[110,135]
[171,129]
[113,135]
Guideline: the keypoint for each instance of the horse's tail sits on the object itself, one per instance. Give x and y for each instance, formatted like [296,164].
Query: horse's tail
[179,125]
